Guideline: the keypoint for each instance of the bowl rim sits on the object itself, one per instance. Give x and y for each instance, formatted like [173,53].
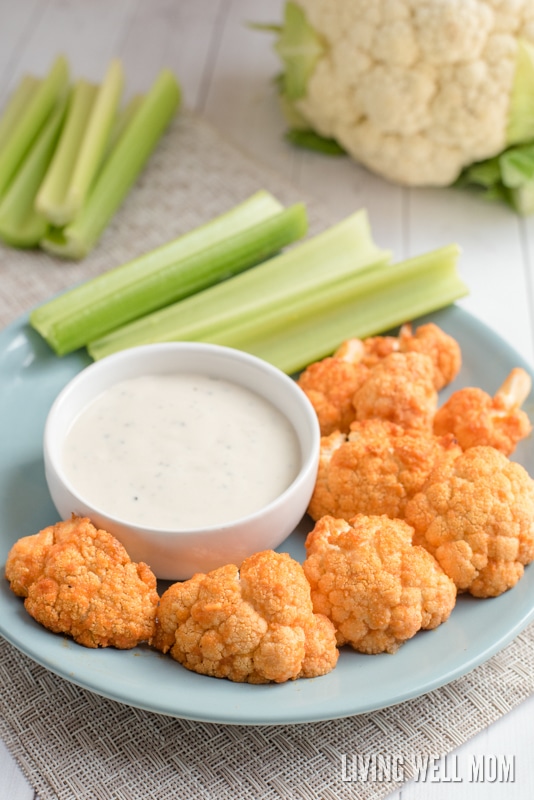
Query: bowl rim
[310,458]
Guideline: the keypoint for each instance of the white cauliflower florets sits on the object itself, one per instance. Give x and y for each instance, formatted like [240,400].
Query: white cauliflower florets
[415,90]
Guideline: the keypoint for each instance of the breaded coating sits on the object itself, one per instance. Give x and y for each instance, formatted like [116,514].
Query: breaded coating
[475,418]
[330,385]
[368,351]
[375,469]
[400,388]
[252,625]
[475,514]
[377,587]
[429,339]
[443,350]
[80,581]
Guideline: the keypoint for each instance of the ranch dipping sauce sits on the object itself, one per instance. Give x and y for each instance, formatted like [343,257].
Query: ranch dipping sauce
[180,451]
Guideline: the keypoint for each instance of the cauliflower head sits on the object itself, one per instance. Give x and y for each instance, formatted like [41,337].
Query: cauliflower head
[415,90]
[376,586]
[475,514]
[253,624]
[375,469]
[79,581]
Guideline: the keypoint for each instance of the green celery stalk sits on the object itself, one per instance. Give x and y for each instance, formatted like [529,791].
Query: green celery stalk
[93,144]
[232,242]
[120,170]
[366,305]
[122,120]
[29,123]
[52,199]
[298,276]
[93,296]
[21,225]
[18,101]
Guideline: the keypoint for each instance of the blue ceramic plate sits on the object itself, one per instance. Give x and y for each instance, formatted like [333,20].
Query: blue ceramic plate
[30,378]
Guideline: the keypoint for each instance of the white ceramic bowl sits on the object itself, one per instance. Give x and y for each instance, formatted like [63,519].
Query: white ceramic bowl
[178,554]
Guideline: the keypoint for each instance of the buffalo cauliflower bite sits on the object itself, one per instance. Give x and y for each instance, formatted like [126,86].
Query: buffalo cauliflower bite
[400,388]
[377,587]
[442,349]
[475,418]
[374,469]
[368,351]
[429,339]
[254,624]
[475,515]
[330,385]
[79,581]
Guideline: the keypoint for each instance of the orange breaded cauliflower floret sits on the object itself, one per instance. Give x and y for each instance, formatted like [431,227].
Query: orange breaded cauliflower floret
[79,581]
[400,388]
[442,349]
[368,351]
[475,418]
[475,515]
[374,469]
[330,385]
[254,624]
[377,588]
[429,339]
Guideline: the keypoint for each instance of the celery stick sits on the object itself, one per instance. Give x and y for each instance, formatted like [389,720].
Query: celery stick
[95,293]
[29,123]
[122,120]
[120,170]
[51,200]
[20,224]
[365,306]
[16,104]
[304,272]
[94,141]
[229,244]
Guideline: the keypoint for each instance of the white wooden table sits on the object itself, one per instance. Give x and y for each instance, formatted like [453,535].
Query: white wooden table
[226,71]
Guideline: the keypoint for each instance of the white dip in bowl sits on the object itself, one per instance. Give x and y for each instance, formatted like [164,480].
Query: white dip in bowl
[193,455]
[181,450]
